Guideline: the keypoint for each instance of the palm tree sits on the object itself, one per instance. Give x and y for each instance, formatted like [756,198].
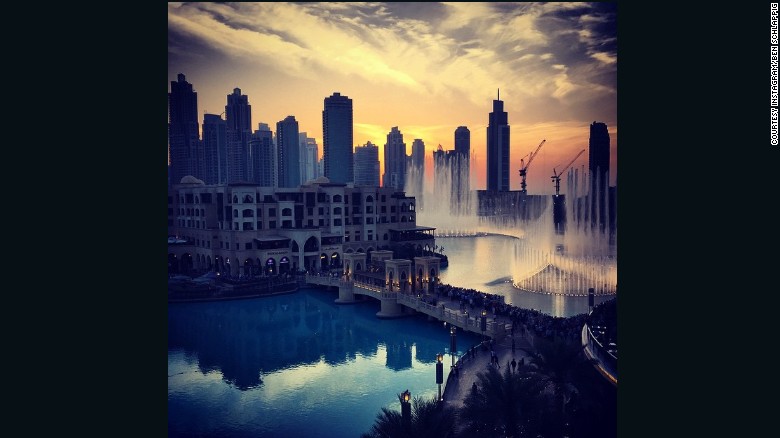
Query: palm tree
[503,405]
[428,419]
[569,380]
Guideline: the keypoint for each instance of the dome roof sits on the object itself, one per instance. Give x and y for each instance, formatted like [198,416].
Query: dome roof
[189,179]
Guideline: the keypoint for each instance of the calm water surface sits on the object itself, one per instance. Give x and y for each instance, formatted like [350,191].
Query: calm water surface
[294,365]
[299,365]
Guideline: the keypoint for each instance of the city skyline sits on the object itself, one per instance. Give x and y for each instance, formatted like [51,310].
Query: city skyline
[426,68]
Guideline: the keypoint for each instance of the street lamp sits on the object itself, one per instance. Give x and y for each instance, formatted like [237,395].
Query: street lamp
[453,346]
[439,372]
[406,409]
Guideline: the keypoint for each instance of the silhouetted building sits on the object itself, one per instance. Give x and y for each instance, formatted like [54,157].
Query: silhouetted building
[416,171]
[463,141]
[183,132]
[598,168]
[367,165]
[215,148]
[498,149]
[262,158]
[462,164]
[238,115]
[337,138]
[288,152]
[395,160]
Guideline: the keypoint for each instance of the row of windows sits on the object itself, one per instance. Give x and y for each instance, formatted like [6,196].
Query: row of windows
[337,222]
[189,198]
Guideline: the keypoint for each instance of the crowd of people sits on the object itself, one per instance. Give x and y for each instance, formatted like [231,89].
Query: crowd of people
[540,324]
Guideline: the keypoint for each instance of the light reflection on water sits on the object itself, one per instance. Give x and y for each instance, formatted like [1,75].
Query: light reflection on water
[294,365]
[485,264]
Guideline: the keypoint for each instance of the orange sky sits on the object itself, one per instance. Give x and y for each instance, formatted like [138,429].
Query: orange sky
[424,67]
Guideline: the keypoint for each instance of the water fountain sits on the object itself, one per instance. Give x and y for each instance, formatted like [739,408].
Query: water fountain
[558,262]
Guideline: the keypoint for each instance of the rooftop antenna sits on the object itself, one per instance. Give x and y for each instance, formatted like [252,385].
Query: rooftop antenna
[498,97]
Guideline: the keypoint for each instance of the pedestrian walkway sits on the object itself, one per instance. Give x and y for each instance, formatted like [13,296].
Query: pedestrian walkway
[457,389]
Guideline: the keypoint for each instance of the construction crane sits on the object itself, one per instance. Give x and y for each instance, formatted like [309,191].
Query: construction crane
[524,166]
[557,176]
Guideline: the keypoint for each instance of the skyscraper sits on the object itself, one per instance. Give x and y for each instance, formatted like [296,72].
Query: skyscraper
[416,171]
[215,149]
[598,168]
[183,136]
[395,160]
[238,115]
[461,164]
[309,151]
[463,141]
[498,149]
[367,165]
[337,138]
[288,152]
[261,156]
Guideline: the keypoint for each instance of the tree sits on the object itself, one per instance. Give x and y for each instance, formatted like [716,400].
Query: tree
[576,392]
[429,419]
[505,405]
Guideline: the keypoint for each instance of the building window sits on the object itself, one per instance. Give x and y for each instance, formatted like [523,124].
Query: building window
[369,220]
[392,219]
[311,222]
[272,225]
[235,227]
[336,222]
[321,211]
[346,210]
[259,225]
[248,199]
[287,224]
[369,208]
[259,212]
[247,213]
[235,199]
[310,211]
[272,212]
[248,226]
[237,246]
[337,210]
[248,245]
[322,222]
[221,245]
[235,213]
[336,198]
[346,236]
[392,209]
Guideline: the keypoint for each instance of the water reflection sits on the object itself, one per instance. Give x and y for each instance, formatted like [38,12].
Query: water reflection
[274,366]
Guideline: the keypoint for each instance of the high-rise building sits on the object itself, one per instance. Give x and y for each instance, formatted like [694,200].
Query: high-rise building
[185,152]
[461,164]
[463,141]
[288,152]
[498,149]
[262,158]
[416,171]
[337,138]
[238,114]
[215,149]
[309,152]
[395,160]
[367,165]
[598,168]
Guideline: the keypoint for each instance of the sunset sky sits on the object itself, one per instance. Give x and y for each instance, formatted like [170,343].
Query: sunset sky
[424,67]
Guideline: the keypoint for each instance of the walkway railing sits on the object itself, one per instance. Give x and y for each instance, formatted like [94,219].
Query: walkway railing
[607,359]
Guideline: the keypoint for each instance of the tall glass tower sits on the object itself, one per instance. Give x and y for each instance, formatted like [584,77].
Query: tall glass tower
[498,149]
[337,138]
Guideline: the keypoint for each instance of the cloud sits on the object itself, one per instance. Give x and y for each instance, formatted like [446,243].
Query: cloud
[558,55]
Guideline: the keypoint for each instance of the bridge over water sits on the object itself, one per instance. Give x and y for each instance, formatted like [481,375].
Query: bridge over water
[397,303]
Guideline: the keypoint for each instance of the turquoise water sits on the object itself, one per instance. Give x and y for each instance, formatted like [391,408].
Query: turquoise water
[295,365]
